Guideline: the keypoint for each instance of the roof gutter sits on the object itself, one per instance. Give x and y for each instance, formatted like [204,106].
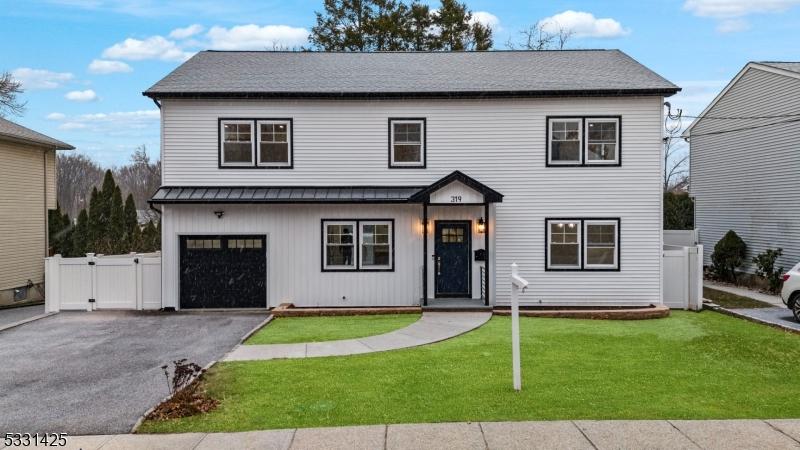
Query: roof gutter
[666,92]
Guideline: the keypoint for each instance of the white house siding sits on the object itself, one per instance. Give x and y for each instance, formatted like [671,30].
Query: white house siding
[748,181]
[498,142]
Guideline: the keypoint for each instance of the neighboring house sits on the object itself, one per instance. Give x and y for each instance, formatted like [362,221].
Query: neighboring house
[745,173]
[27,192]
[375,179]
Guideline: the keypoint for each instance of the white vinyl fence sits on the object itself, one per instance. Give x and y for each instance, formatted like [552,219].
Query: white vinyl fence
[103,282]
[681,238]
[683,277]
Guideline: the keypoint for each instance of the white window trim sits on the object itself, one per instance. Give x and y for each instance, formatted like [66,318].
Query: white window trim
[596,162]
[586,263]
[552,266]
[421,162]
[288,124]
[550,141]
[325,265]
[361,264]
[222,124]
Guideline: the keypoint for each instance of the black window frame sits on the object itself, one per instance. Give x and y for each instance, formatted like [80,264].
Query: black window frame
[254,131]
[356,244]
[424,162]
[582,244]
[584,145]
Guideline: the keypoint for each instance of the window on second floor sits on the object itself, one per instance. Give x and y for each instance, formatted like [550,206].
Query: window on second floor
[237,143]
[407,143]
[583,141]
[256,143]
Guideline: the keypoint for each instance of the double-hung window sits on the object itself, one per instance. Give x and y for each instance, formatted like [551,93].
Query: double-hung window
[565,141]
[274,145]
[365,245]
[339,249]
[407,143]
[255,143]
[583,244]
[376,245]
[583,141]
[602,141]
[237,143]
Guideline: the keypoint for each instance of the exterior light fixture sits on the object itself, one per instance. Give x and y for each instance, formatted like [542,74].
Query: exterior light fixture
[481,225]
[219,214]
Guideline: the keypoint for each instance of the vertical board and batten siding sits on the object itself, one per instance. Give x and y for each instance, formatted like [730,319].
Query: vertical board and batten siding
[501,143]
[23,238]
[748,181]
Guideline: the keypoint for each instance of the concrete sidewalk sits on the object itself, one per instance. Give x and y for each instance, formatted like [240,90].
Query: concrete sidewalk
[431,327]
[579,434]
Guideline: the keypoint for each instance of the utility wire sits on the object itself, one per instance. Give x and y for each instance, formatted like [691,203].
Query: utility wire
[777,116]
[753,127]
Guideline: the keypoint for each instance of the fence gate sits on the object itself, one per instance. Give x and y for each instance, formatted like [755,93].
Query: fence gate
[103,282]
[682,281]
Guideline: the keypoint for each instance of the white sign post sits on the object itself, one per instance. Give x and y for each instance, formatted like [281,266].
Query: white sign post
[517,284]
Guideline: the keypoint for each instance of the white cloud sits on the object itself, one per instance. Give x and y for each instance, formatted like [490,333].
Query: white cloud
[56,116]
[695,96]
[254,37]
[487,19]
[81,96]
[183,33]
[40,78]
[104,66]
[112,122]
[154,47]
[723,9]
[583,24]
[731,13]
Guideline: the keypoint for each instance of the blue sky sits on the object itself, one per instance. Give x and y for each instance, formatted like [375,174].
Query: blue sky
[84,63]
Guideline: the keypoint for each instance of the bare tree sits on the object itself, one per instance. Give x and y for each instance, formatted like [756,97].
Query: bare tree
[76,175]
[676,155]
[537,37]
[141,177]
[9,90]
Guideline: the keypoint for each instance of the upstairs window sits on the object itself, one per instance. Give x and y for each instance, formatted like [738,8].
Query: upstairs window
[602,140]
[274,144]
[565,141]
[407,143]
[237,143]
[583,141]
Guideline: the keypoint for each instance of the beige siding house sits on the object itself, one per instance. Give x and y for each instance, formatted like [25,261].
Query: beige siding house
[27,192]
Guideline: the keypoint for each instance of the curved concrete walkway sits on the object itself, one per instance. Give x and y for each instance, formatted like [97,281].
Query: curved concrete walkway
[431,327]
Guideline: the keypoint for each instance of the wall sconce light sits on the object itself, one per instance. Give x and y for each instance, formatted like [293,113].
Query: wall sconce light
[219,214]
[424,224]
[481,225]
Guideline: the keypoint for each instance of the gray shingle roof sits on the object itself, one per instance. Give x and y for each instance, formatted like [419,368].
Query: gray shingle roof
[274,194]
[790,66]
[402,74]
[15,131]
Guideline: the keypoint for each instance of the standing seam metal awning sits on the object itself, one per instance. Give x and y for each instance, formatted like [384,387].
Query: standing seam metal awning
[286,194]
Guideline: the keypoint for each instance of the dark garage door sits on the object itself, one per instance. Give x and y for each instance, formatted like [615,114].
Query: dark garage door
[224,271]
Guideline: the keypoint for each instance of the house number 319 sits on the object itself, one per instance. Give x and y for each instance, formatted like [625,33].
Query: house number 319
[455,199]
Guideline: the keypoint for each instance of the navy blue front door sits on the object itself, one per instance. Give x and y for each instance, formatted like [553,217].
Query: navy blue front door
[451,262]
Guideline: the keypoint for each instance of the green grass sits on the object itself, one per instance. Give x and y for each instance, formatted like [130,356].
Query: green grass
[289,330]
[728,300]
[688,366]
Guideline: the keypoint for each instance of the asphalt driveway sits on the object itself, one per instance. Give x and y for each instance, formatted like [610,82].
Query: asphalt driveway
[97,373]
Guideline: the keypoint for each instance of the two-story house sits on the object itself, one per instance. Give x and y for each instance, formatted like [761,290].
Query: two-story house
[394,179]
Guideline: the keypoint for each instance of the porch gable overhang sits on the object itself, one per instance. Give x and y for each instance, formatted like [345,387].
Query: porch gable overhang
[166,195]
[489,194]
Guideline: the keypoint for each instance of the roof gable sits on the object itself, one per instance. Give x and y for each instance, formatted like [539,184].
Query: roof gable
[786,69]
[489,194]
[267,74]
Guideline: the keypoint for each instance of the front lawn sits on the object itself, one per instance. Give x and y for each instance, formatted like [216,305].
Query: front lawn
[688,366]
[290,330]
